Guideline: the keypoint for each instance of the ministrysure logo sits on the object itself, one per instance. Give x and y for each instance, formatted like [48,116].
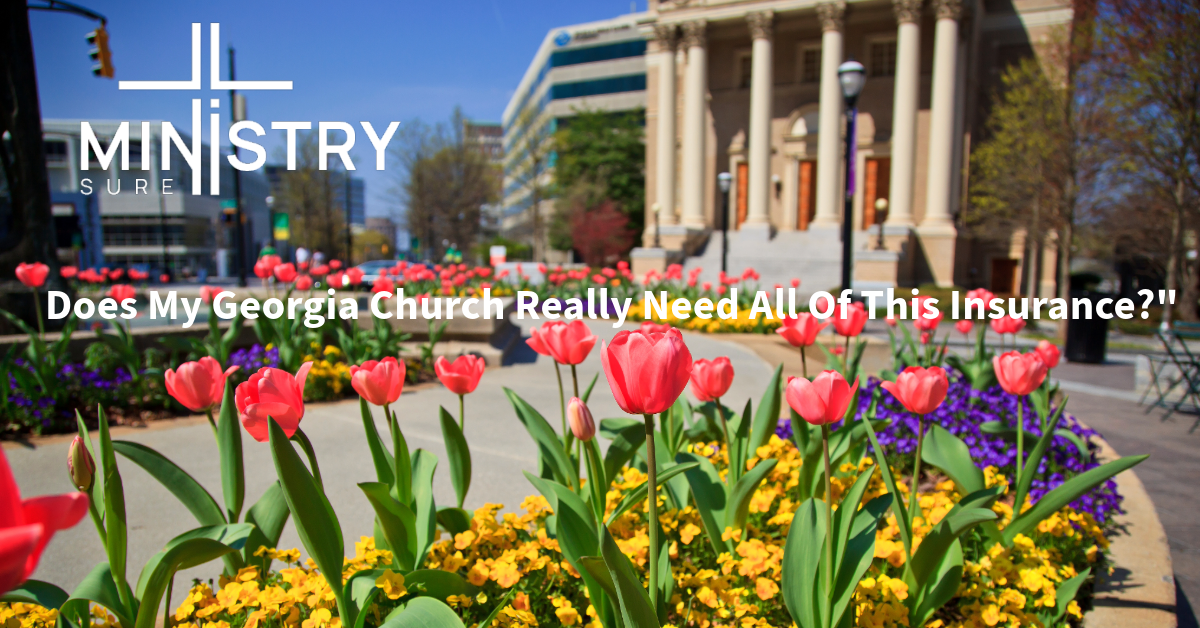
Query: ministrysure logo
[192,155]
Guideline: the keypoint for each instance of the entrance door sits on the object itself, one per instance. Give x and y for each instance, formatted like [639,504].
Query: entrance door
[807,191]
[1004,276]
[877,185]
[743,191]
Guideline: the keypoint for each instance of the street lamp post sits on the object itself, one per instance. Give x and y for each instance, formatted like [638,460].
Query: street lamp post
[851,75]
[723,181]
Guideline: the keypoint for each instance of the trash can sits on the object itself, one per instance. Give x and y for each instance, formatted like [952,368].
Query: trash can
[1087,339]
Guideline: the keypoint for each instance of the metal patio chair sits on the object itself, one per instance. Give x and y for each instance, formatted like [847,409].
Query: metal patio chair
[1186,365]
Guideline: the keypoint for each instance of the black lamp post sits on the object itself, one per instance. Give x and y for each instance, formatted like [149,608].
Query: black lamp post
[723,181]
[851,75]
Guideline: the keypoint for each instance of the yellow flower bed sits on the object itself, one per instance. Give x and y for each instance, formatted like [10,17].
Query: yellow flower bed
[743,324]
[329,376]
[1004,587]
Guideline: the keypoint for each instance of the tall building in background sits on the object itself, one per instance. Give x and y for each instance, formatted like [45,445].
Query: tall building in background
[593,66]
[353,195]
[139,225]
[486,137]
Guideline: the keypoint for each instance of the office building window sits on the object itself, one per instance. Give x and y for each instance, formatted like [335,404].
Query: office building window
[810,65]
[56,151]
[745,68]
[883,58]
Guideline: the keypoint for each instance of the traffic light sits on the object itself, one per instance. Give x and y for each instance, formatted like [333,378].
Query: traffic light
[100,54]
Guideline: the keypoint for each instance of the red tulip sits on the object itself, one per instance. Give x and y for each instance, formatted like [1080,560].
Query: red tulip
[80,465]
[263,268]
[647,371]
[273,393]
[821,401]
[964,326]
[921,390]
[891,321]
[925,337]
[32,275]
[26,526]
[335,264]
[164,278]
[208,293]
[303,265]
[570,343]
[1019,373]
[337,280]
[801,330]
[849,321]
[68,272]
[795,282]
[383,284]
[199,385]
[462,375]
[137,275]
[116,274]
[285,272]
[380,382]
[303,282]
[921,319]
[711,379]
[579,417]
[983,294]
[1049,353]
[320,270]
[122,292]
[536,338]
[1007,325]
[652,327]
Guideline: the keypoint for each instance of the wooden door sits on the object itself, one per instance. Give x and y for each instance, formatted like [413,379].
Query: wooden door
[807,190]
[1004,276]
[743,191]
[877,185]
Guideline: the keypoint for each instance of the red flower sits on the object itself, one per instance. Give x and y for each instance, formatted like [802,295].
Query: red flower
[1049,353]
[891,321]
[273,393]
[199,385]
[711,379]
[335,264]
[921,390]
[983,294]
[32,275]
[921,319]
[320,270]
[303,282]
[354,276]
[795,283]
[849,321]
[801,330]
[208,293]
[535,341]
[1007,325]
[337,280]
[116,274]
[26,526]
[579,417]
[462,375]
[1019,373]
[651,326]
[68,272]
[122,292]
[138,275]
[821,401]
[285,272]
[378,381]
[598,278]
[263,269]
[570,343]
[964,326]
[164,278]
[646,371]
[925,337]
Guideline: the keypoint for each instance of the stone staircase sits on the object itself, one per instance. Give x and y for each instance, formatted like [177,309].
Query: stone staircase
[814,256]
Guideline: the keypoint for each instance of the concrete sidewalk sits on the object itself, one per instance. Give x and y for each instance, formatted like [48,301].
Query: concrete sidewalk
[500,449]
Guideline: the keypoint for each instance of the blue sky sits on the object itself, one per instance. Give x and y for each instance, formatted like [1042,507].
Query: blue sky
[349,61]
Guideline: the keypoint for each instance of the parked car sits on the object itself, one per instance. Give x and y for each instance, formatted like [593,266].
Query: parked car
[371,269]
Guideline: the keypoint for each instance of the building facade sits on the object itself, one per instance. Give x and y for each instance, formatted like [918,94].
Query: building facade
[585,67]
[750,87]
[123,218]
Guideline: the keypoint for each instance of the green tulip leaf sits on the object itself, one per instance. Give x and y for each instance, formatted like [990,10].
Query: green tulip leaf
[948,453]
[888,479]
[708,491]
[424,465]
[98,587]
[398,522]
[636,609]
[229,445]
[801,581]
[638,495]
[37,592]
[454,520]
[550,448]
[424,612]
[458,454]
[185,551]
[767,415]
[115,525]
[737,508]
[184,487]
[1066,493]
[380,456]
[268,515]
[627,438]
[941,586]
[438,584]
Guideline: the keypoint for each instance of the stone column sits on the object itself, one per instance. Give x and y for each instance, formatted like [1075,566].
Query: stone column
[757,216]
[936,231]
[829,138]
[904,111]
[694,93]
[664,34]
[941,119]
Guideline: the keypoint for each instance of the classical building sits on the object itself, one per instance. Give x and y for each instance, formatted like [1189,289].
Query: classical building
[750,87]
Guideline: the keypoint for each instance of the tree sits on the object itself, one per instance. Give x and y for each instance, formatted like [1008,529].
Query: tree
[443,185]
[528,165]
[1149,58]
[602,233]
[310,195]
[604,153]
[1040,162]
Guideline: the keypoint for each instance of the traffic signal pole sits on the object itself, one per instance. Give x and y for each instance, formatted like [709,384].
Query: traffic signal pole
[240,216]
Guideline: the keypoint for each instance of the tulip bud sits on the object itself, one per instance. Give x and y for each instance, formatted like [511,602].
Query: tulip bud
[583,426]
[81,466]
